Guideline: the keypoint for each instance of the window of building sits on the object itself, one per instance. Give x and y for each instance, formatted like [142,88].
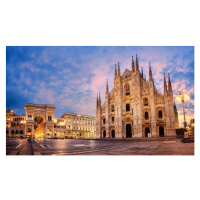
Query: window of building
[113,119]
[127,89]
[112,108]
[160,114]
[49,118]
[145,101]
[104,120]
[146,115]
[127,107]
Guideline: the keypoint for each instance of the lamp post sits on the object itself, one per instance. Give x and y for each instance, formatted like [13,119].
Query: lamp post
[182,99]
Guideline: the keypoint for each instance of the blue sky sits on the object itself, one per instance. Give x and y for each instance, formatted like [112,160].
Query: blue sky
[70,77]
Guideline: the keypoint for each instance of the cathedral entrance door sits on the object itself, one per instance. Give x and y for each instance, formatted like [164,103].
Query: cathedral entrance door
[113,133]
[161,131]
[147,130]
[104,134]
[128,131]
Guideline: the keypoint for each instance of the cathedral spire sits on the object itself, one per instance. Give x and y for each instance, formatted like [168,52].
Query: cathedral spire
[119,74]
[165,85]
[133,66]
[150,72]
[169,84]
[115,72]
[142,71]
[97,101]
[107,87]
[137,64]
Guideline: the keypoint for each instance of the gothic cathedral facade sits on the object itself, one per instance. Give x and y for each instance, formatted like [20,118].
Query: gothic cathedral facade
[135,108]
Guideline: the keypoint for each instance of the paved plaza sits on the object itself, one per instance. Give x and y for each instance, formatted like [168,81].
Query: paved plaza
[98,147]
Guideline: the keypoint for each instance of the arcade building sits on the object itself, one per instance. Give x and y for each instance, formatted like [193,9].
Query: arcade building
[39,122]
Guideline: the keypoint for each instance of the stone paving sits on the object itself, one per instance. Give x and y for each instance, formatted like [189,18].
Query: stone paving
[97,147]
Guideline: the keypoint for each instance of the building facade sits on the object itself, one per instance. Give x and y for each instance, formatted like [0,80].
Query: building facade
[39,122]
[135,108]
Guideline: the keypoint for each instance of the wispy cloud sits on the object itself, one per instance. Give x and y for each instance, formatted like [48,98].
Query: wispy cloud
[71,77]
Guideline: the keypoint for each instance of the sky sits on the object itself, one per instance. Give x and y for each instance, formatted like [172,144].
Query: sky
[71,77]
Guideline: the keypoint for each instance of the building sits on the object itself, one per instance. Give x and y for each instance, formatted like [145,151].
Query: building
[135,108]
[14,124]
[81,126]
[39,122]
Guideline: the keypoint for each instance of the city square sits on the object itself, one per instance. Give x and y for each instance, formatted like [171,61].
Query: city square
[167,146]
[139,106]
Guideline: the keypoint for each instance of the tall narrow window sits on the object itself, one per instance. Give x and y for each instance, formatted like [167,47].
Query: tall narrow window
[49,118]
[112,108]
[160,114]
[127,107]
[145,102]
[113,119]
[104,120]
[146,115]
[127,89]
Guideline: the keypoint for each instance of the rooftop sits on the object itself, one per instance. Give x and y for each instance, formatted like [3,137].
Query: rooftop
[40,105]
[78,115]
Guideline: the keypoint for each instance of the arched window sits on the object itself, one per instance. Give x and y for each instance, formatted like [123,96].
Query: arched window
[146,115]
[21,132]
[16,131]
[127,107]
[49,118]
[112,108]
[160,114]
[12,132]
[145,101]
[7,131]
[104,120]
[127,89]
[113,119]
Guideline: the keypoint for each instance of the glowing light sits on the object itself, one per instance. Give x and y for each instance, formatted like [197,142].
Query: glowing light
[184,96]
